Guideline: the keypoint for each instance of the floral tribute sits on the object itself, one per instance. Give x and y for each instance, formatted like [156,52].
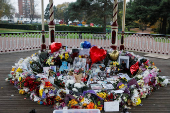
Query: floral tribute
[64,78]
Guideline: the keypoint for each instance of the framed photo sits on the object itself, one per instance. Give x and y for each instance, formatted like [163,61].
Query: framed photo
[53,68]
[124,61]
[101,67]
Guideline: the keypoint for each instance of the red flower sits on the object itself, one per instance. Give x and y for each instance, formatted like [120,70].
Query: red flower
[25,84]
[44,103]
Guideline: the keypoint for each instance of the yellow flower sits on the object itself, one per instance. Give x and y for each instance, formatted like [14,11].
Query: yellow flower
[85,104]
[79,56]
[41,92]
[72,102]
[66,56]
[124,78]
[102,95]
[146,67]
[30,62]
[95,106]
[13,69]
[138,101]
[57,98]
[19,70]
[20,78]
[61,56]
[21,91]
[121,86]
[82,100]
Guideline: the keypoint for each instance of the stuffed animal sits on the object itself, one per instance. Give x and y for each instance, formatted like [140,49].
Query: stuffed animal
[63,66]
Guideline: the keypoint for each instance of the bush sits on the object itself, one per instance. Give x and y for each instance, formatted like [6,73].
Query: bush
[57,28]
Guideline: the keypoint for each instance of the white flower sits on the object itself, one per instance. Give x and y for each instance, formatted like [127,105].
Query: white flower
[74,89]
[146,73]
[165,82]
[69,82]
[77,85]
[139,76]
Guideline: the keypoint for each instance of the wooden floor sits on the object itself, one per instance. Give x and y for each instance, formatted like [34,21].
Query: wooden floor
[158,101]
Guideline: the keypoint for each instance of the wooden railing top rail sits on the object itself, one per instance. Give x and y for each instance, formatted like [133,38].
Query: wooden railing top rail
[80,32]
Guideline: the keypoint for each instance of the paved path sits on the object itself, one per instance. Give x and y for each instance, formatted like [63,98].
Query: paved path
[157,102]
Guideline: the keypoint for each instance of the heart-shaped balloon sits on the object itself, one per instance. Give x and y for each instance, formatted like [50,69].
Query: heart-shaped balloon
[114,55]
[55,46]
[97,54]
[134,68]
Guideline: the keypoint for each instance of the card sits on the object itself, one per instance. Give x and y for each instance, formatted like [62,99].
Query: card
[96,86]
[108,86]
[111,106]
[45,70]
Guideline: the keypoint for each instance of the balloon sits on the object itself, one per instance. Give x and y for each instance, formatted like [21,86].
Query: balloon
[86,44]
[55,46]
[114,55]
[97,54]
[81,44]
[134,68]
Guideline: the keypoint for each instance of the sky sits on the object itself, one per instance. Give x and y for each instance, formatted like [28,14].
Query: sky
[38,2]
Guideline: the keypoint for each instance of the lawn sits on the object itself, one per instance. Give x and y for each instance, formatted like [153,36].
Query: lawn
[4,30]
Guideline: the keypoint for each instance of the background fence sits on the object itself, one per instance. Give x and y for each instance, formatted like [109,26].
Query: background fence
[12,42]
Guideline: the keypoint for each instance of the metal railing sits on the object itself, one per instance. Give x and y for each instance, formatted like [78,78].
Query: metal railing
[150,43]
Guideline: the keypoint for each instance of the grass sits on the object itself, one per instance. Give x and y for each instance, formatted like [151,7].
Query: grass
[4,30]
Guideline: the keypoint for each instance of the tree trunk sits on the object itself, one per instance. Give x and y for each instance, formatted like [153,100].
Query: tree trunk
[104,21]
[104,25]
[164,23]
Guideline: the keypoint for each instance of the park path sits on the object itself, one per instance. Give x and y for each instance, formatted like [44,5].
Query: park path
[147,31]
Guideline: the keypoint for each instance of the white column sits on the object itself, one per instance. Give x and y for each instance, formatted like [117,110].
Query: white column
[124,12]
[42,15]
[43,46]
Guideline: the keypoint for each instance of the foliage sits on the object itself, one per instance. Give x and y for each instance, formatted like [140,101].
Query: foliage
[149,12]
[92,11]
[61,10]
[57,28]
[47,12]
[6,8]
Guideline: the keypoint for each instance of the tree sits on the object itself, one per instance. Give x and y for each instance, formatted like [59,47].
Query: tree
[92,11]
[149,12]
[47,12]
[61,9]
[6,8]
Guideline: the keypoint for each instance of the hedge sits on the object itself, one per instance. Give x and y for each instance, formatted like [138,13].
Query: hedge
[57,28]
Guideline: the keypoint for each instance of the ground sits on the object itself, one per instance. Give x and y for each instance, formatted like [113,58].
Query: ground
[12,102]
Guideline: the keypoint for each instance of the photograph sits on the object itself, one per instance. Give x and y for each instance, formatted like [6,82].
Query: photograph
[124,62]
[53,68]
